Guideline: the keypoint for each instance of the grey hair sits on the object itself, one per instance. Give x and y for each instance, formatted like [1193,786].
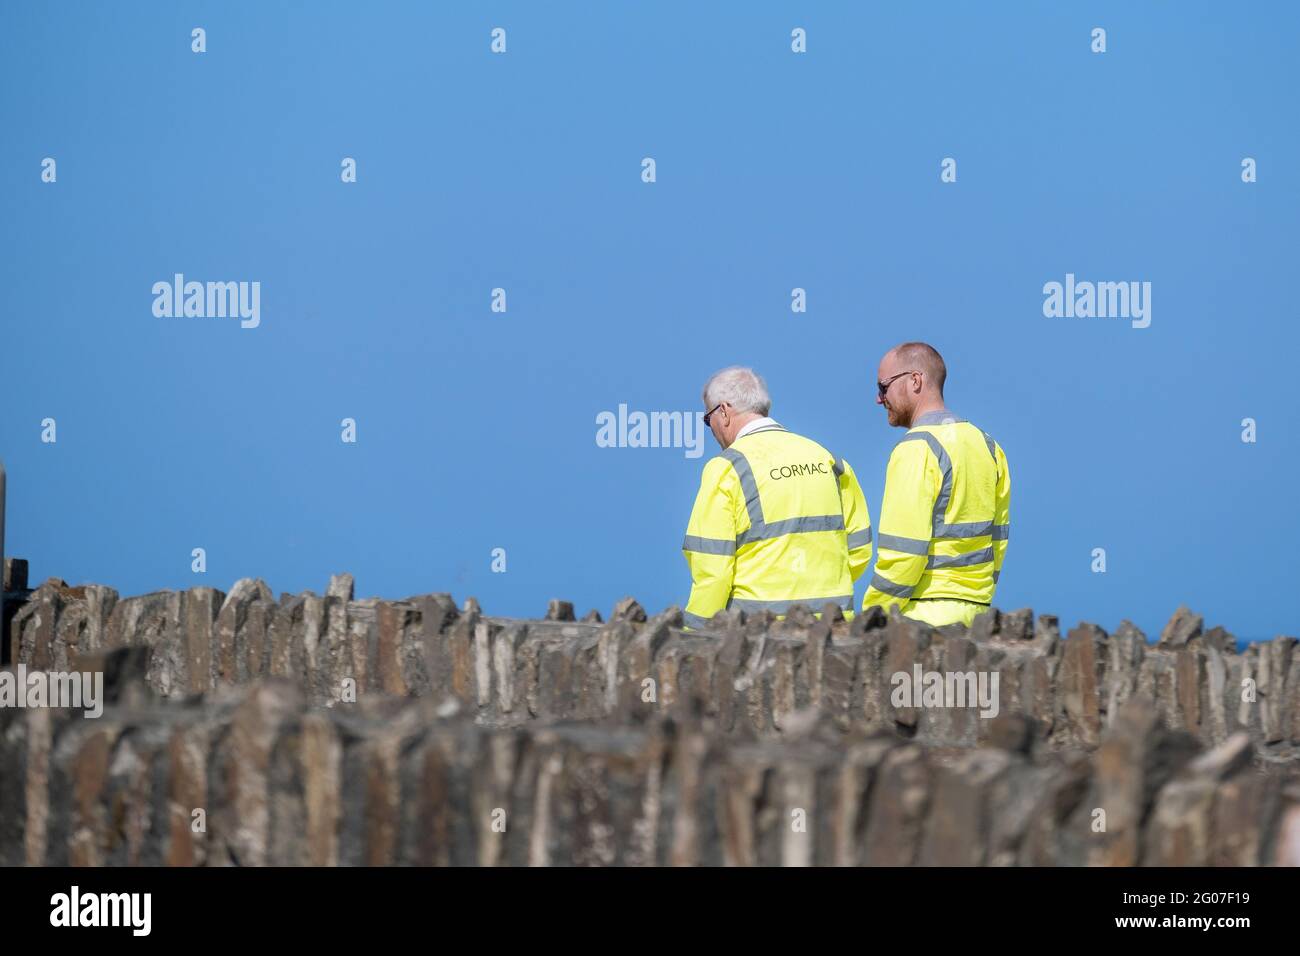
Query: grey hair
[742,388]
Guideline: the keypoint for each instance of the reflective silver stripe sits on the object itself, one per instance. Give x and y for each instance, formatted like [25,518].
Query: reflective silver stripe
[995,576]
[970,529]
[747,484]
[694,620]
[966,529]
[806,523]
[780,607]
[791,526]
[960,560]
[945,465]
[1001,532]
[859,539]
[988,440]
[896,542]
[889,587]
[760,530]
[708,545]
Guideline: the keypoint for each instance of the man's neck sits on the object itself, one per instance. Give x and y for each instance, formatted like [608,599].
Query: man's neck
[742,422]
[926,406]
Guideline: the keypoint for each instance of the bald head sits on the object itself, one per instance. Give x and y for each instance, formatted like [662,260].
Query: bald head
[924,357]
[913,374]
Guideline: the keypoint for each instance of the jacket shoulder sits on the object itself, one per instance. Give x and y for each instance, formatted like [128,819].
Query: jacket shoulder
[921,441]
[989,442]
[717,469]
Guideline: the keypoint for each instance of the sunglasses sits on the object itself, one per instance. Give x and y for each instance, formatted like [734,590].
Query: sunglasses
[709,413]
[883,387]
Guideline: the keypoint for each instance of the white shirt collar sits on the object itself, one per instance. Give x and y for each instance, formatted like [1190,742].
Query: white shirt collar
[755,425]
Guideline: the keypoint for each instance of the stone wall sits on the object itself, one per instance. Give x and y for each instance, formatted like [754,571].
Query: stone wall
[749,675]
[320,729]
[256,776]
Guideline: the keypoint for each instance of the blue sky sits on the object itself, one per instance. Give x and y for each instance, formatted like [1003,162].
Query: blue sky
[476,430]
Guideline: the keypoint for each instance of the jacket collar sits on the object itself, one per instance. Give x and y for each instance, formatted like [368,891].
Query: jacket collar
[758,424]
[942,416]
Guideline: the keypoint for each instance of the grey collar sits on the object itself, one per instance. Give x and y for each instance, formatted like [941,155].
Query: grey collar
[942,416]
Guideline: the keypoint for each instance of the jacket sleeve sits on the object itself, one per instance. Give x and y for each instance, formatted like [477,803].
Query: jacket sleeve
[857,520]
[912,483]
[1002,515]
[710,544]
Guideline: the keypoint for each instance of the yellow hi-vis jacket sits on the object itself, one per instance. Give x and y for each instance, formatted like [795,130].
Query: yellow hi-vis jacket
[778,521]
[946,516]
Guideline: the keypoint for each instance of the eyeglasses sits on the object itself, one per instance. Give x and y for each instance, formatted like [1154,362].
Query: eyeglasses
[883,387]
[709,413]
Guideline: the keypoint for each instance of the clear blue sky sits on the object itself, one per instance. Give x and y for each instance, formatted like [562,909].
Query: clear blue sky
[476,430]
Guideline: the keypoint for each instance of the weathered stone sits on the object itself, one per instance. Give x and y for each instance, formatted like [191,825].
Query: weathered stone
[987,625]
[559,611]
[749,673]
[1010,803]
[1038,694]
[1134,761]
[898,808]
[241,818]
[1291,702]
[509,691]
[34,626]
[635,664]
[79,784]
[391,625]
[1275,660]
[1126,649]
[1180,832]
[1047,634]
[258,776]
[628,609]
[870,619]
[341,586]
[1057,817]
[1081,680]
[1010,731]
[200,611]
[1182,627]
[960,809]
[557,680]
[227,666]
[1189,679]
[960,662]
[1218,639]
[1286,848]
[13,574]
[1016,626]
[127,673]
[449,657]
[906,643]
[1237,838]
[840,679]
[188,800]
